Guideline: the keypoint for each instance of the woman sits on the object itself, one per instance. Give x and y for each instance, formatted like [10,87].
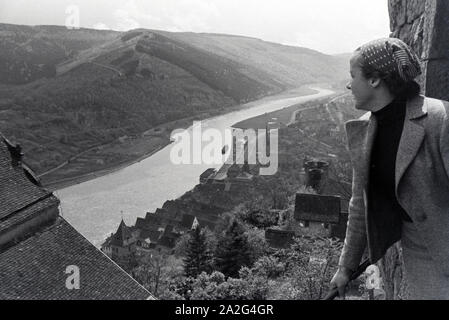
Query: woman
[400,157]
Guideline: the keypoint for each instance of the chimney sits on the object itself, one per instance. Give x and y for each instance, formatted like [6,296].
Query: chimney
[316,174]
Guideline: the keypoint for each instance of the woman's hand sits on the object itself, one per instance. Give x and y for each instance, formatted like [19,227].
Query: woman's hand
[341,280]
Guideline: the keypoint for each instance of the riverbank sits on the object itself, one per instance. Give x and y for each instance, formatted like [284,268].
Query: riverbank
[284,117]
[125,151]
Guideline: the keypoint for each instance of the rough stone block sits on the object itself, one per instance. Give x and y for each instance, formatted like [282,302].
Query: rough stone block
[395,34]
[406,33]
[398,10]
[415,8]
[417,35]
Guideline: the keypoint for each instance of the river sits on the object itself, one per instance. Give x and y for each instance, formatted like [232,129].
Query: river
[96,207]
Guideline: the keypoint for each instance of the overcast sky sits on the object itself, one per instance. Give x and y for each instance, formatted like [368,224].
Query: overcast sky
[330,26]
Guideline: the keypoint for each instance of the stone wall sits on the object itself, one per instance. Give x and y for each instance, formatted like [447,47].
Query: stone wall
[424,24]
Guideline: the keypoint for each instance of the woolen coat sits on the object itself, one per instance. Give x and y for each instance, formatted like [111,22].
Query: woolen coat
[421,183]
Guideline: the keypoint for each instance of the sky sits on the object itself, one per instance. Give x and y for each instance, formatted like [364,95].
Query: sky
[329,26]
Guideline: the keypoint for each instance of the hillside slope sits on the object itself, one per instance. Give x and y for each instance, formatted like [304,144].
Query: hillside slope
[63,91]
[284,64]
[29,53]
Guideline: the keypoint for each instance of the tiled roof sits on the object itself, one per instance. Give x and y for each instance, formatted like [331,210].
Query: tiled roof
[317,208]
[169,228]
[153,235]
[168,240]
[152,219]
[187,220]
[27,213]
[205,223]
[279,238]
[35,269]
[207,173]
[123,233]
[17,192]
[141,223]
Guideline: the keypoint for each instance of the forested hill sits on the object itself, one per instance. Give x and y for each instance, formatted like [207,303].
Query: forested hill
[62,91]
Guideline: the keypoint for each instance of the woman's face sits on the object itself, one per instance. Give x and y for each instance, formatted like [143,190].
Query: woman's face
[360,86]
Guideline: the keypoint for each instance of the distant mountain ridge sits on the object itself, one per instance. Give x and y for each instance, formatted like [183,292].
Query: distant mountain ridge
[25,51]
[63,91]
[287,64]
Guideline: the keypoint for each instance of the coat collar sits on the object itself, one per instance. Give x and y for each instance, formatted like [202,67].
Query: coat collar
[361,134]
[416,108]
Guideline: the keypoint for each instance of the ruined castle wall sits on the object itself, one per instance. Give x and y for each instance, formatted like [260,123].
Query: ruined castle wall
[424,24]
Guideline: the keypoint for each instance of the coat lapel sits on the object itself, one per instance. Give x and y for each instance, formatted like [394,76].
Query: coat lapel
[362,132]
[412,136]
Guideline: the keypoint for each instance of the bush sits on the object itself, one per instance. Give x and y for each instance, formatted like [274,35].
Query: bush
[269,267]
[260,218]
[216,287]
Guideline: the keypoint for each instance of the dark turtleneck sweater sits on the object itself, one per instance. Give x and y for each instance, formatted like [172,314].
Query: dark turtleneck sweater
[387,213]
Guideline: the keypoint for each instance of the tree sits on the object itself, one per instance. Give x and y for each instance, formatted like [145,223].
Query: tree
[198,256]
[257,243]
[149,271]
[309,266]
[233,251]
[156,271]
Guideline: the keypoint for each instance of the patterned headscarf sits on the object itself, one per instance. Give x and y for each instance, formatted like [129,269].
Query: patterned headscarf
[392,55]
